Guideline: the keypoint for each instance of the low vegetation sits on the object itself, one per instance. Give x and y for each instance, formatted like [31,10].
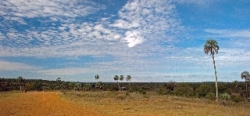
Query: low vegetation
[234,91]
[113,103]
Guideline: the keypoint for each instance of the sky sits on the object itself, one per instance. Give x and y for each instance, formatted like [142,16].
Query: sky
[151,40]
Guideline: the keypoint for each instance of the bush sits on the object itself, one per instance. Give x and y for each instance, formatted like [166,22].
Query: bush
[236,98]
[225,96]
[161,91]
[210,96]
[203,90]
[183,89]
[141,91]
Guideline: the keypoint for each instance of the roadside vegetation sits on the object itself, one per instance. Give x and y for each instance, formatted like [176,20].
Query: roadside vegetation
[228,91]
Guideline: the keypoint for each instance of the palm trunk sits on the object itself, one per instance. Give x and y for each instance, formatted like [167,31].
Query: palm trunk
[118,85]
[216,85]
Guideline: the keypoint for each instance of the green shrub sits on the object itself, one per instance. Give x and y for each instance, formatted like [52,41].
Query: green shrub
[236,98]
[184,89]
[225,96]
[210,96]
[141,91]
[160,91]
[203,90]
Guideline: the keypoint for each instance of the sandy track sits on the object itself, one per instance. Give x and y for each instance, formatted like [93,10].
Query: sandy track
[41,104]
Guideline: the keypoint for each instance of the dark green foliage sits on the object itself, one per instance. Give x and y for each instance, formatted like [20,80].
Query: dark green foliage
[203,90]
[184,89]
[141,91]
[236,98]
[210,96]
[236,90]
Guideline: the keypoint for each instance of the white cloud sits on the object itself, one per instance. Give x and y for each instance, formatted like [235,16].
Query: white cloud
[230,33]
[203,3]
[64,71]
[133,38]
[48,8]
[10,66]
[147,20]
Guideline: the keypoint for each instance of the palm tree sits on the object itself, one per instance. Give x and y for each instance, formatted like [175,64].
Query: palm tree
[58,81]
[96,78]
[21,83]
[116,78]
[245,75]
[128,78]
[211,46]
[121,77]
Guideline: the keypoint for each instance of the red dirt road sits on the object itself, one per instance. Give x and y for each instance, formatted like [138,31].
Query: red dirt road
[41,104]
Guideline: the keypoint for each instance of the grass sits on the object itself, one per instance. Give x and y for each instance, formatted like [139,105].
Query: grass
[7,94]
[122,103]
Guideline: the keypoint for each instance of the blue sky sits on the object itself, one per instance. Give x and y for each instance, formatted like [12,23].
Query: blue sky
[151,40]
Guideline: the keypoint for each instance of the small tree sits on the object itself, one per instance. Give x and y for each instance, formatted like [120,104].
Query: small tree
[128,78]
[116,78]
[121,77]
[245,75]
[21,83]
[96,78]
[59,81]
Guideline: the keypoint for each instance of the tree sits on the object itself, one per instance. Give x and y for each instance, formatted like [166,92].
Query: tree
[21,83]
[96,78]
[121,77]
[211,47]
[128,78]
[116,78]
[58,81]
[245,75]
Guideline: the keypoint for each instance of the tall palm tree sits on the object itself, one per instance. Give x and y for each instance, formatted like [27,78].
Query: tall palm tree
[211,47]
[116,78]
[128,78]
[96,78]
[21,83]
[121,77]
[245,75]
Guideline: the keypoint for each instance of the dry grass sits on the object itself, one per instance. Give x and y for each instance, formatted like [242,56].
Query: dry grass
[113,104]
[133,104]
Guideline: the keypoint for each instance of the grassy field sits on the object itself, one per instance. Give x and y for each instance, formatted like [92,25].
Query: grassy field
[108,103]
[151,104]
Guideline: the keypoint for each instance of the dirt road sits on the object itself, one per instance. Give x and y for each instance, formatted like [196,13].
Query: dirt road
[41,104]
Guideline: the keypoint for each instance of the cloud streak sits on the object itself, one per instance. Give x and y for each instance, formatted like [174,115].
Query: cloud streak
[230,33]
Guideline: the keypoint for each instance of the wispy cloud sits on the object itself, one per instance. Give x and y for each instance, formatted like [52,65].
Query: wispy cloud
[146,20]
[48,8]
[10,66]
[229,33]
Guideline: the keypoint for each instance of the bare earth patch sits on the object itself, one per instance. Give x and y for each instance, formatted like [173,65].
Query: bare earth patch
[41,104]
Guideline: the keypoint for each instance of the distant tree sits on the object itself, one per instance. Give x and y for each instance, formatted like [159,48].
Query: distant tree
[116,78]
[211,46]
[21,83]
[128,78]
[58,82]
[245,75]
[96,78]
[71,85]
[121,77]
